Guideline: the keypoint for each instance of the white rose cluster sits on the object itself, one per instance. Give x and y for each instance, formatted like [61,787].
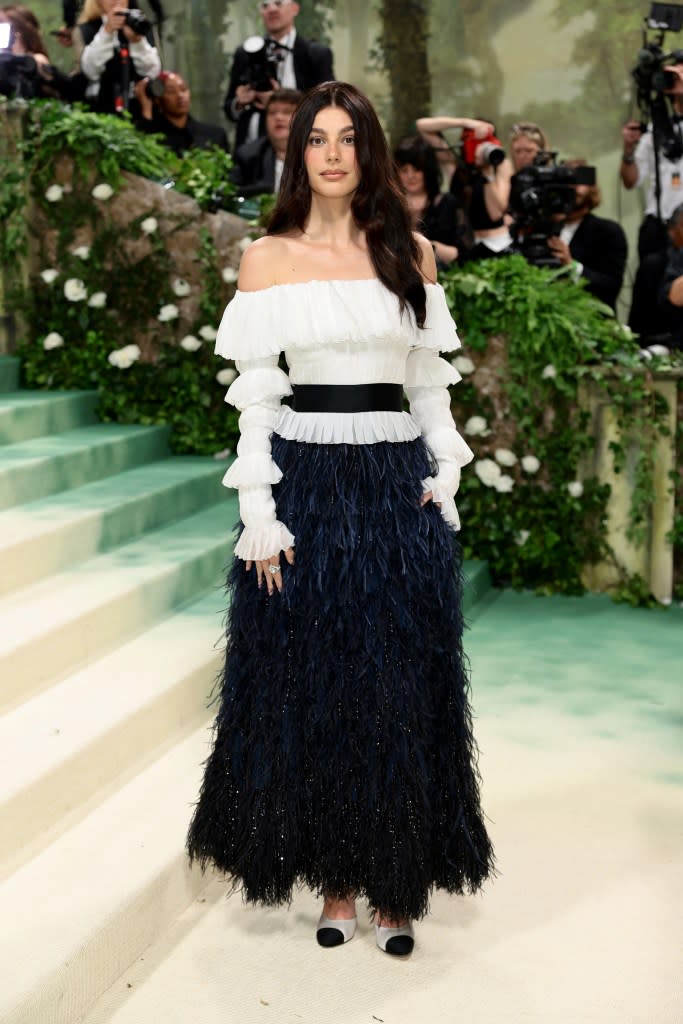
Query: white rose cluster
[463,364]
[549,372]
[149,225]
[504,457]
[477,426]
[530,464]
[575,488]
[102,192]
[98,300]
[123,358]
[167,313]
[50,275]
[229,275]
[226,376]
[52,340]
[488,471]
[75,290]
[82,251]
[190,344]
[208,333]
[181,288]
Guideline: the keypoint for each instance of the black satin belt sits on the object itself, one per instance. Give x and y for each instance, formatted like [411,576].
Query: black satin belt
[347,397]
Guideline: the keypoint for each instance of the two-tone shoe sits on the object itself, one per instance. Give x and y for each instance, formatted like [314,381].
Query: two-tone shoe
[395,941]
[333,931]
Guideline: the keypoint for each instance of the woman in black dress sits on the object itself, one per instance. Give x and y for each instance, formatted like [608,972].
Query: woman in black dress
[343,754]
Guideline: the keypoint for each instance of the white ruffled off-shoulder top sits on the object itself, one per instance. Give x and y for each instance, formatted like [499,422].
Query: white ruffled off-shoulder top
[334,332]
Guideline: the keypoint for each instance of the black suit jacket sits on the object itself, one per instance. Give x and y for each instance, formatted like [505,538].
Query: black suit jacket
[601,246]
[312,65]
[195,134]
[253,172]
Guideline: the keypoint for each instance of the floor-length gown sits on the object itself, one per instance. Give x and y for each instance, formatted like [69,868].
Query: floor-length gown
[343,754]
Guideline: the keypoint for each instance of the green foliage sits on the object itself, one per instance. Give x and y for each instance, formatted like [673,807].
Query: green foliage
[204,175]
[553,337]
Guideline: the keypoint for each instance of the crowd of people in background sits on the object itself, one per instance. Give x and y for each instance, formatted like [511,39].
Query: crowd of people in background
[458,187]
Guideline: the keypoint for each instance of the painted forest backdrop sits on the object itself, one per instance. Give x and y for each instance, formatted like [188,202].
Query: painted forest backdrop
[564,65]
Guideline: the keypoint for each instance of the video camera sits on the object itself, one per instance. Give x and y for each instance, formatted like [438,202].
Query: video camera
[541,197]
[264,56]
[654,83]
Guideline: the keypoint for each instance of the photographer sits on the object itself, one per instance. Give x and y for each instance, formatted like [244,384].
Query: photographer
[115,56]
[638,168]
[165,110]
[25,68]
[596,247]
[668,328]
[286,61]
[259,163]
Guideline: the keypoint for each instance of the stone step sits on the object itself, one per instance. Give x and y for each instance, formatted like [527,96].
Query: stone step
[48,535]
[9,373]
[52,627]
[93,900]
[27,414]
[61,749]
[47,465]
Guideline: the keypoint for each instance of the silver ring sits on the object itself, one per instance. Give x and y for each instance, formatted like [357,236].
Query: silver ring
[274,569]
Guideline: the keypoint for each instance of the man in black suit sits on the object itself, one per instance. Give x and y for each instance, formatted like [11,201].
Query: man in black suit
[259,163]
[596,246]
[300,65]
[169,115]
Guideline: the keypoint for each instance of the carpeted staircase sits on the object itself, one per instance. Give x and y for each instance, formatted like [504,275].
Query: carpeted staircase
[112,555]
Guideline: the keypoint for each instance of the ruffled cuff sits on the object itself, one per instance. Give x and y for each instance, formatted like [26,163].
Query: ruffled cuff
[258,384]
[425,368]
[256,468]
[259,542]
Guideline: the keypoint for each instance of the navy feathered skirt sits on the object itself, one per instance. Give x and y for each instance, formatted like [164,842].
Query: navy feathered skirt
[343,754]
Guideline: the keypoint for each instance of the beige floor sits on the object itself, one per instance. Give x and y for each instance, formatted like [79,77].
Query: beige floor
[583,923]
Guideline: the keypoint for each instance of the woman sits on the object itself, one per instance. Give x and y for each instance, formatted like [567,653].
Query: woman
[435,214]
[526,142]
[343,755]
[34,77]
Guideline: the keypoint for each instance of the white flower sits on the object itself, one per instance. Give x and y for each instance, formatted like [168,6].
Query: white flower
[476,426]
[463,364]
[149,225]
[102,192]
[74,290]
[645,354]
[575,488]
[124,357]
[230,275]
[226,376]
[225,453]
[97,300]
[658,350]
[83,251]
[488,471]
[245,242]
[521,537]
[549,372]
[530,464]
[505,457]
[53,340]
[190,343]
[54,193]
[208,333]
[166,313]
[504,484]
[49,275]
[181,288]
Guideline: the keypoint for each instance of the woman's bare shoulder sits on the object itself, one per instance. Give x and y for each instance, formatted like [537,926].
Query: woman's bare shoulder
[427,259]
[262,263]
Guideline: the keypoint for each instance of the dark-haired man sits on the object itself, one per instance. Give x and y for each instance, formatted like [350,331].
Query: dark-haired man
[169,115]
[596,246]
[259,163]
[302,65]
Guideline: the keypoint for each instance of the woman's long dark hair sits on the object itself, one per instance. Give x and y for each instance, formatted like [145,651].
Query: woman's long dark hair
[414,150]
[378,205]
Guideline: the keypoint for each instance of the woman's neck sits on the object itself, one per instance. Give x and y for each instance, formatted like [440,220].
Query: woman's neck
[330,222]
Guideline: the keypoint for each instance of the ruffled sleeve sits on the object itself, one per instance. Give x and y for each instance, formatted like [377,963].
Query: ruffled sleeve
[428,377]
[257,393]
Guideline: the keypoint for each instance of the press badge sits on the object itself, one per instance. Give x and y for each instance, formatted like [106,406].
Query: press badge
[676,179]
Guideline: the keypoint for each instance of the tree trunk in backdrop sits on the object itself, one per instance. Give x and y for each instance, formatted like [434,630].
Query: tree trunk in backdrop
[405,32]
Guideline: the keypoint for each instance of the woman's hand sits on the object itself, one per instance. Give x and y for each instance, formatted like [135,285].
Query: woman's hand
[428,496]
[264,568]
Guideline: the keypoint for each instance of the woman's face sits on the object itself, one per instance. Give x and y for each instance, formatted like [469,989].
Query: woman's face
[330,156]
[523,151]
[412,179]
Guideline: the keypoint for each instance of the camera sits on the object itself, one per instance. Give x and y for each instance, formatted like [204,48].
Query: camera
[155,89]
[137,22]
[490,148]
[541,196]
[264,55]
[654,82]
